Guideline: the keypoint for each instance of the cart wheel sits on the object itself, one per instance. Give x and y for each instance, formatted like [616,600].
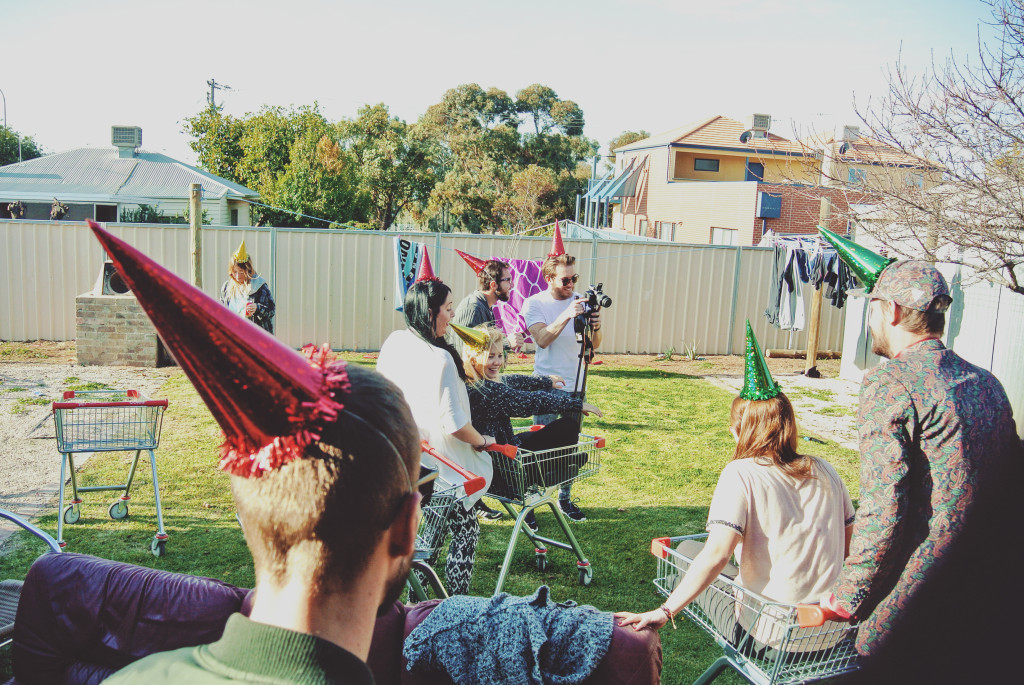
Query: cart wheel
[586,575]
[542,562]
[72,514]
[158,547]
[118,510]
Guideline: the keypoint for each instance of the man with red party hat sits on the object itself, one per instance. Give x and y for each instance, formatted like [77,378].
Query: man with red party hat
[549,315]
[322,459]
[494,284]
[940,469]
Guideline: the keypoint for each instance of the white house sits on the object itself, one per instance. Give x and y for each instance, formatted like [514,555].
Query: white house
[100,183]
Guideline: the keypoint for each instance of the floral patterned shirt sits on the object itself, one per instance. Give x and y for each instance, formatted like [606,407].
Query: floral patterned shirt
[937,437]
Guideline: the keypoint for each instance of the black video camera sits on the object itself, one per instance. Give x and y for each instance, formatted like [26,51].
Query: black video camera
[594,298]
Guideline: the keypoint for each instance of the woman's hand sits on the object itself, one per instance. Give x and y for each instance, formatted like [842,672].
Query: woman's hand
[250,308]
[557,381]
[649,619]
[591,409]
[488,441]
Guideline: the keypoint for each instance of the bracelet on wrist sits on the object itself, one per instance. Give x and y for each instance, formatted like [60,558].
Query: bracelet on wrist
[671,617]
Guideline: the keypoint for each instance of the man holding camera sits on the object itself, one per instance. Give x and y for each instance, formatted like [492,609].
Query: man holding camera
[549,317]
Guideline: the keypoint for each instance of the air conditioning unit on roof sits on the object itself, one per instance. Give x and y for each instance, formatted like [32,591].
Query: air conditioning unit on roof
[126,136]
[760,122]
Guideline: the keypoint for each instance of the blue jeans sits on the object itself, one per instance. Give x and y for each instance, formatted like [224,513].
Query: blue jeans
[565,491]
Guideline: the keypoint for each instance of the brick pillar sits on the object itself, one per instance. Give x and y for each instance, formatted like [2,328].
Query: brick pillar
[113,330]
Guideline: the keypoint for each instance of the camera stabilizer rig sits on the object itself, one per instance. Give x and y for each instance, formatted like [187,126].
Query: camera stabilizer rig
[593,299]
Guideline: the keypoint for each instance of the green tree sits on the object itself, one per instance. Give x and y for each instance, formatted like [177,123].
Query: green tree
[625,138]
[393,162]
[9,146]
[270,151]
[522,205]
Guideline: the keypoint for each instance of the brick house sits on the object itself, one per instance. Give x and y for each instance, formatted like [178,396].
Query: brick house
[722,181]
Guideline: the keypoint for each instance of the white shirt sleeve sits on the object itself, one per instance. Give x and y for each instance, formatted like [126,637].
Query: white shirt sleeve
[729,503]
[532,313]
[454,399]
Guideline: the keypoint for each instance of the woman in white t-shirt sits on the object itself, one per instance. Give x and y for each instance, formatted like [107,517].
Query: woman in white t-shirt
[786,516]
[429,372]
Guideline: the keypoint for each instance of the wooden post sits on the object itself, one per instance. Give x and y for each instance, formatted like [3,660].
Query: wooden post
[196,233]
[814,327]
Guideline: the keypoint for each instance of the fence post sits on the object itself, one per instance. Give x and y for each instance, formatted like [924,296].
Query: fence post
[593,257]
[436,262]
[196,232]
[735,298]
[273,262]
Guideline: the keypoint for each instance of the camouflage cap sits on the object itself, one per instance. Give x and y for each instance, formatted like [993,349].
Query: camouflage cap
[911,284]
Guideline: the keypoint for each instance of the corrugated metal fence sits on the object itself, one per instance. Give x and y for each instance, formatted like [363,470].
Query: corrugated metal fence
[338,286]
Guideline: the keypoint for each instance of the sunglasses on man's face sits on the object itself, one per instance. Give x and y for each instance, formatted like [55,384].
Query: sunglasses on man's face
[569,279]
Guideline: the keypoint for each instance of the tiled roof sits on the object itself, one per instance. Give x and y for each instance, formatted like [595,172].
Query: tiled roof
[99,174]
[721,132]
[865,150]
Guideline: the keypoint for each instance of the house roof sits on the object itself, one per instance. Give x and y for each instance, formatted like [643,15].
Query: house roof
[718,132]
[99,175]
[865,150]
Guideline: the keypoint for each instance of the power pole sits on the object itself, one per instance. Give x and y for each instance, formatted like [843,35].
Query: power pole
[211,99]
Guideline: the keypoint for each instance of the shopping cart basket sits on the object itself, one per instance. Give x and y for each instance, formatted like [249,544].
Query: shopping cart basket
[529,480]
[764,641]
[433,529]
[107,421]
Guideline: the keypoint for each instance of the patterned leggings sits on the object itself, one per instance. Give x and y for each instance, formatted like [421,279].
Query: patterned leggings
[465,530]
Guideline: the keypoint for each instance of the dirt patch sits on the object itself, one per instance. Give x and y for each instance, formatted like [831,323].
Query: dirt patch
[38,351]
[29,460]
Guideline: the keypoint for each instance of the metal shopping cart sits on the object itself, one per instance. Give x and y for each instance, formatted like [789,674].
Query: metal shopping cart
[764,641]
[107,421]
[433,529]
[529,480]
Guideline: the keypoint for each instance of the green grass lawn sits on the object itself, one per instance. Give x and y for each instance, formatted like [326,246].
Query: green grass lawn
[667,440]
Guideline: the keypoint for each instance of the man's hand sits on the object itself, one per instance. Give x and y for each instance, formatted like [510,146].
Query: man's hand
[595,319]
[516,340]
[573,310]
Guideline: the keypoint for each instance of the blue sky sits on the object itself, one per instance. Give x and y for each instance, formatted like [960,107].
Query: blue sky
[75,68]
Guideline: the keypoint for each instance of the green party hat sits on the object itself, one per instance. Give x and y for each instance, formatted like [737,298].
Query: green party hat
[867,265]
[474,337]
[758,383]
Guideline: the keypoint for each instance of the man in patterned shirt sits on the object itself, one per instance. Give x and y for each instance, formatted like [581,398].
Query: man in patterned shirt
[940,458]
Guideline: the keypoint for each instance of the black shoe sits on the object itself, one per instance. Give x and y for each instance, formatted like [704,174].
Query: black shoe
[531,521]
[485,512]
[571,511]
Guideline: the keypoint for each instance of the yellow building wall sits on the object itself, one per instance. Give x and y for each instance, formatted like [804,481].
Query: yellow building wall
[733,167]
[880,176]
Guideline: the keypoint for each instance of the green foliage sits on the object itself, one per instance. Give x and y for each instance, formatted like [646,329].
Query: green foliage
[392,162]
[9,146]
[147,214]
[690,351]
[625,138]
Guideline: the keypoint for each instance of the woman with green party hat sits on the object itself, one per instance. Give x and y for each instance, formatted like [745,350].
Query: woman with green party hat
[787,517]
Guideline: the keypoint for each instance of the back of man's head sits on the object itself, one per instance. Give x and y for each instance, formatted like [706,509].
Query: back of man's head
[491,273]
[920,292]
[320,516]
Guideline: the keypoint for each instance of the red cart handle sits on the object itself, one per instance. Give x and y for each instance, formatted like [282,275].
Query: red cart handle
[815,615]
[473,483]
[509,451]
[132,394]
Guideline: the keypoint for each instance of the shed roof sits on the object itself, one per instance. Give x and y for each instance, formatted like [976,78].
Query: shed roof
[96,175]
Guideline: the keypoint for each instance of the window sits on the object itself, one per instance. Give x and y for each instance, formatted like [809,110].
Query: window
[234,217]
[913,179]
[106,213]
[705,164]
[723,236]
[856,177]
[643,228]
[671,233]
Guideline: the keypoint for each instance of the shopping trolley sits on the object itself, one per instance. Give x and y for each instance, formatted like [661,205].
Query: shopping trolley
[529,480]
[107,421]
[764,641]
[433,529]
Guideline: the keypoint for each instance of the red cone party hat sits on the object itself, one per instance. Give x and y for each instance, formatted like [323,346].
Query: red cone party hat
[475,263]
[557,248]
[426,272]
[267,398]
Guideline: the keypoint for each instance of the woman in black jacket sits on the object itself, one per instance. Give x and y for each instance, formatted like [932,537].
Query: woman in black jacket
[495,397]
